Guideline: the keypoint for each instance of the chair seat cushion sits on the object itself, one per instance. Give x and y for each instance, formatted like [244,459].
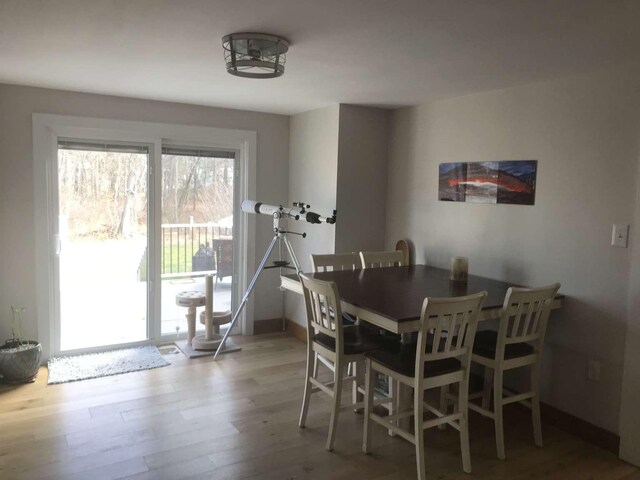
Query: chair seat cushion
[485,346]
[401,358]
[357,340]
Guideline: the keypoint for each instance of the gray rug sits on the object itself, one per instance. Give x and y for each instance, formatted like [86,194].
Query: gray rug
[113,362]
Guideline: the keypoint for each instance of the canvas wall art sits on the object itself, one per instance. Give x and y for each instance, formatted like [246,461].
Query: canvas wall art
[510,181]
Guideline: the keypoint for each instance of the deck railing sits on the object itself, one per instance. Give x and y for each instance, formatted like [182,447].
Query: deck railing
[180,241]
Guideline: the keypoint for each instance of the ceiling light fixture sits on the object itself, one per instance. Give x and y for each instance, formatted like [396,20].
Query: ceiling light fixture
[255,55]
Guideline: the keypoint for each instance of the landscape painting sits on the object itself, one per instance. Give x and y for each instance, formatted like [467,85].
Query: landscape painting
[452,182]
[517,182]
[482,182]
[509,182]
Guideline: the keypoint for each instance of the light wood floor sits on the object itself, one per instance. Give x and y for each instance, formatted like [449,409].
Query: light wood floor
[237,419]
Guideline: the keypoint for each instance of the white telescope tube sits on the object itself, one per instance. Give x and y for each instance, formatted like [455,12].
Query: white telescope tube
[251,206]
[297,213]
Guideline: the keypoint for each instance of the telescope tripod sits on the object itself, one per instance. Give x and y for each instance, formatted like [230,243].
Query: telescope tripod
[279,238]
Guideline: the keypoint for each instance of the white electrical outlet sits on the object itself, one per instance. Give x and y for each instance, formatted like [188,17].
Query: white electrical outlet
[620,235]
[594,370]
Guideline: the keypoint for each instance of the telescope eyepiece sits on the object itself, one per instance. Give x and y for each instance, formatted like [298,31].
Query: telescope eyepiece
[312,217]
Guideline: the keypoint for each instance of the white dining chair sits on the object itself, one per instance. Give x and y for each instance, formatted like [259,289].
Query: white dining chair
[437,359]
[382,259]
[403,246]
[328,338]
[332,262]
[378,260]
[518,343]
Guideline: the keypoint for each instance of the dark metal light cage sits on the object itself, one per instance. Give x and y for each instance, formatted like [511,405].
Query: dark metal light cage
[255,55]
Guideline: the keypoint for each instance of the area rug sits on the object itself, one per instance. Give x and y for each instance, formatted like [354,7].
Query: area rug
[229,346]
[113,362]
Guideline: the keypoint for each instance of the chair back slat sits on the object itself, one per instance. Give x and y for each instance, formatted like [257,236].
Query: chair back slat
[536,321]
[382,259]
[531,312]
[450,324]
[448,338]
[335,261]
[437,332]
[515,324]
[324,313]
[524,316]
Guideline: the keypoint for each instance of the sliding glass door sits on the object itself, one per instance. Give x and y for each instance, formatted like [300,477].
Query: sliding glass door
[102,244]
[127,215]
[197,231]
[103,250]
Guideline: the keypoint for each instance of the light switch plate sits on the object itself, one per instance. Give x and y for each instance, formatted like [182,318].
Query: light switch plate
[620,235]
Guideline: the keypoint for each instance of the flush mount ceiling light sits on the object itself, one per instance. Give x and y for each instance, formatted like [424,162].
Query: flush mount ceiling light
[255,55]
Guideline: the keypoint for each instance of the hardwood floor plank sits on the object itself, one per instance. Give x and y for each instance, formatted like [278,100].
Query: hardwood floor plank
[236,418]
[113,471]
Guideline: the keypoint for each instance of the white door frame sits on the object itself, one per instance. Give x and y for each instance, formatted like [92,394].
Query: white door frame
[47,129]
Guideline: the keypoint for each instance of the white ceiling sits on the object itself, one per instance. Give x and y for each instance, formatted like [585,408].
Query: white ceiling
[370,52]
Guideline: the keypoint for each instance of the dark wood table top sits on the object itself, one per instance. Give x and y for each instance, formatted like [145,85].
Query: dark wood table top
[397,293]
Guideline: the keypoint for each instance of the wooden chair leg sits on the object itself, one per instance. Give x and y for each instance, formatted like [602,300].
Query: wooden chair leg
[404,403]
[444,406]
[497,412]
[488,383]
[535,404]
[316,363]
[394,394]
[463,401]
[358,371]
[369,384]
[335,407]
[418,417]
[312,371]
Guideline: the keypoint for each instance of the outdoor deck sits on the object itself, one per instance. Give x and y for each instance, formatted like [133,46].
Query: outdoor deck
[103,299]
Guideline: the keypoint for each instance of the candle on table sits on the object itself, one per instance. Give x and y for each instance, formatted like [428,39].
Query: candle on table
[459,269]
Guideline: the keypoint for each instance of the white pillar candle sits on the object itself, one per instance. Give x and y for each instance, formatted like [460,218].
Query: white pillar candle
[459,269]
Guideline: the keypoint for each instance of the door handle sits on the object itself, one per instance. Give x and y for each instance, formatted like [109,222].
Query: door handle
[57,244]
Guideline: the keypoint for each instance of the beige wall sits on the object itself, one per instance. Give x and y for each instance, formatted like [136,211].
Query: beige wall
[629,411]
[584,134]
[313,170]
[17,104]
[338,159]
[362,178]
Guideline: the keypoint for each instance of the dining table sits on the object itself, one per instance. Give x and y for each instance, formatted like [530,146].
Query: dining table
[391,297]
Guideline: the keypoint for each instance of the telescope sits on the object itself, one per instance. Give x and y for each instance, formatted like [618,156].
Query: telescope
[297,212]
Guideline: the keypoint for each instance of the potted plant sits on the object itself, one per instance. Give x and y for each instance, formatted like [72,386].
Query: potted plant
[19,359]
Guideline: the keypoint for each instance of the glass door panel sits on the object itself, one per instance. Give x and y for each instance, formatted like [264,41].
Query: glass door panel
[197,229]
[102,276]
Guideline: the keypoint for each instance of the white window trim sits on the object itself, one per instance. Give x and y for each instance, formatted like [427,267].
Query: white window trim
[46,131]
